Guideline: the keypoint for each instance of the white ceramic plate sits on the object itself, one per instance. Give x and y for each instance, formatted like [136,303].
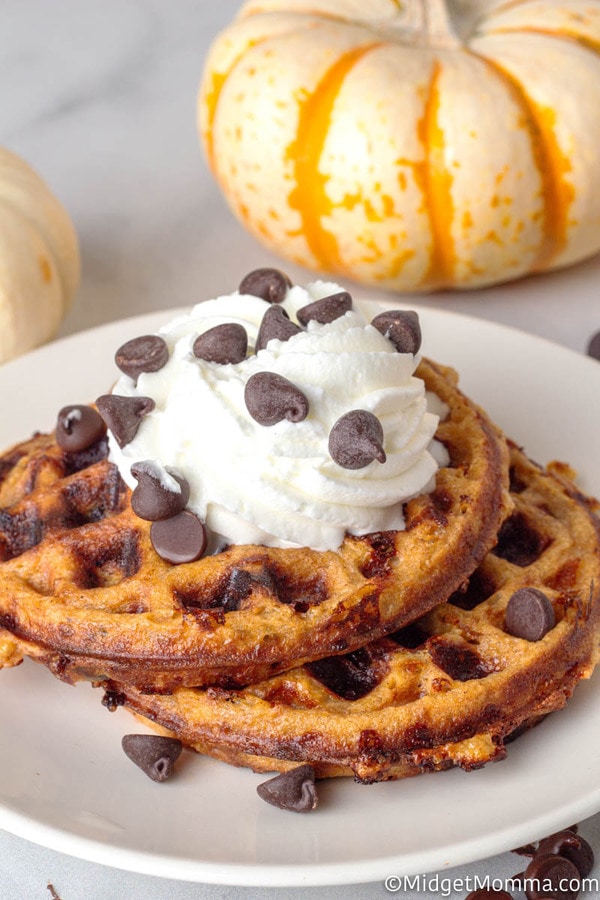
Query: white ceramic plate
[65,782]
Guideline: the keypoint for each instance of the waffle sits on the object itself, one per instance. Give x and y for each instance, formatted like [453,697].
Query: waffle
[83,591]
[448,690]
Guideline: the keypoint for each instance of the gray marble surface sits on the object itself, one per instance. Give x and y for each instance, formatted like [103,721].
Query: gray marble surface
[26,870]
[99,96]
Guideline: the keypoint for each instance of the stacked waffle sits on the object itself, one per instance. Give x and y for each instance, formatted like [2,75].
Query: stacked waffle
[403,651]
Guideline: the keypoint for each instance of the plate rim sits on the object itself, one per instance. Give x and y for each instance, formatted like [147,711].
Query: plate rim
[298,874]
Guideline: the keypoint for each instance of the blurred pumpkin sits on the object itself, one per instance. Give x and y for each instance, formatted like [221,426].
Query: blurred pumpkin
[39,258]
[411,144]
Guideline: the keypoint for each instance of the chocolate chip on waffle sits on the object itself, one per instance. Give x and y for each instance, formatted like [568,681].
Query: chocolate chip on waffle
[83,590]
[448,690]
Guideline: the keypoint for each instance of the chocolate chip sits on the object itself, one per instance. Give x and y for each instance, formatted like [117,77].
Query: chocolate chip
[572,847]
[268,284]
[222,344]
[180,539]
[356,440]
[270,398]
[553,876]
[401,327]
[529,614]
[294,790]
[326,310]
[275,325]
[159,493]
[123,415]
[78,427]
[154,754]
[593,347]
[148,353]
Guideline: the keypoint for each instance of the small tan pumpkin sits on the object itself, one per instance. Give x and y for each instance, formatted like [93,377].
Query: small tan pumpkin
[411,144]
[39,258]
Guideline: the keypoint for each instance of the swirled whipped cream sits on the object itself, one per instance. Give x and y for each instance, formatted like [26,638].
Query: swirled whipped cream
[278,484]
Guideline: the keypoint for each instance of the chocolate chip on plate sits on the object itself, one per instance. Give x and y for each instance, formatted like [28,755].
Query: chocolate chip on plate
[154,754]
[223,344]
[270,398]
[269,284]
[179,539]
[572,846]
[275,325]
[294,790]
[159,493]
[148,353]
[549,875]
[529,614]
[401,327]
[356,440]
[326,310]
[123,415]
[593,347]
[78,427]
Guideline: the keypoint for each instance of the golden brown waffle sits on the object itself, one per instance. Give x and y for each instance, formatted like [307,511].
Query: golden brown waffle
[83,591]
[447,690]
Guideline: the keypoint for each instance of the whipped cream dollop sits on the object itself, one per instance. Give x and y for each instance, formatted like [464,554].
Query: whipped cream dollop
[278,484]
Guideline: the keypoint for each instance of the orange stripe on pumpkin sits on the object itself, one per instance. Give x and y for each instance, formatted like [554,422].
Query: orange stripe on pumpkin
[45,269]
[552,165]
[211,101]
[310,198]
[436,184]
[212,95]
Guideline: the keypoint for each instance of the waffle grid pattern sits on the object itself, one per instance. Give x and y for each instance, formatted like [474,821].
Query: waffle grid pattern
[449,689]
[83,591]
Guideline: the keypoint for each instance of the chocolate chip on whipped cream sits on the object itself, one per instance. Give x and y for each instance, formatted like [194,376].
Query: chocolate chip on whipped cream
[160,492]
[123,415]
[154,754]
[222,344]
[294,790]
[179,539]
[268,284]
[327,309]
[270,398]
[356,440]
[148,353]
[401,327]
[275,325]
[280,486]
[78,427]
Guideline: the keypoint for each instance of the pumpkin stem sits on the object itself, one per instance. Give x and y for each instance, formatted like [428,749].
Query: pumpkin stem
[429,22]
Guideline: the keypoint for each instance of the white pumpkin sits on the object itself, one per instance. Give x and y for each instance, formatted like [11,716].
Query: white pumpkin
[39,258]
[411,144]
